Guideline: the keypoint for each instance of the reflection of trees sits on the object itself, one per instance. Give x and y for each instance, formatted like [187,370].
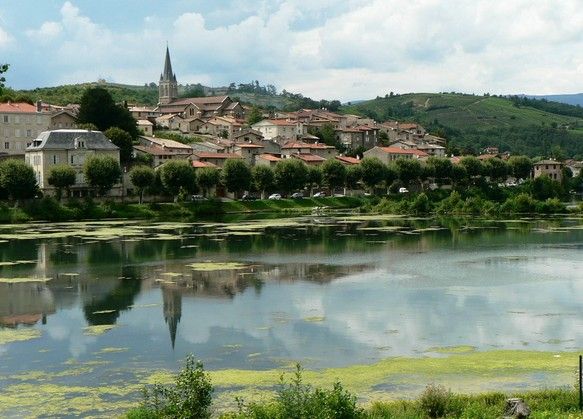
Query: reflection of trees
[103,253]
[116,301]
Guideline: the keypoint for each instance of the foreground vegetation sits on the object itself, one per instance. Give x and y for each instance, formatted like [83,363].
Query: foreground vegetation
[191,395]
[49,209]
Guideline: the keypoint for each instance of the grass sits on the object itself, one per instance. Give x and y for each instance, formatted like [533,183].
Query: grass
[300,394]
[50,210]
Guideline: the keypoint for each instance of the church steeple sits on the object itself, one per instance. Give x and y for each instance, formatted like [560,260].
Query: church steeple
[168,86]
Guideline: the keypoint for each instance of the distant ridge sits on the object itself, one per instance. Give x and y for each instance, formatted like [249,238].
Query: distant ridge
[575,99]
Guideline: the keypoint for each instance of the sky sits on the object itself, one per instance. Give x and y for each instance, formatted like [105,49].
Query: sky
[346,50]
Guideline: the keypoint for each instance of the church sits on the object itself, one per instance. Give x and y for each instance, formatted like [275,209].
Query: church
[192,108]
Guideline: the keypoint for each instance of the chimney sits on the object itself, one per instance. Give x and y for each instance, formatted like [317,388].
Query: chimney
[39,106]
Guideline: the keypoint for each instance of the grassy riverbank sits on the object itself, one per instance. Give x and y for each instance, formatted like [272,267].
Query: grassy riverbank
[493,202]
[48,209]
[480,383]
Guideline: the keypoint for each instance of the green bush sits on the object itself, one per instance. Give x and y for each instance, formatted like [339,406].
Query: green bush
[189,397]
[434,400]
[296,400]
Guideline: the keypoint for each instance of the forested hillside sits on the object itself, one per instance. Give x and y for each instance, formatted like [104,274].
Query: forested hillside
[518,125]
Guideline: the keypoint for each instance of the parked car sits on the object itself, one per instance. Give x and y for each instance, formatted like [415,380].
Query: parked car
[275,196]
[319,194]
[403,190]
[198,198]
[297,195]
[248,197]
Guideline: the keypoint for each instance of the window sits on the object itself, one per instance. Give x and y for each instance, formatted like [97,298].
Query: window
[6,145]
[16,120]
[28,133]
[72,161]
[55,159]
[17,133]
[5,119]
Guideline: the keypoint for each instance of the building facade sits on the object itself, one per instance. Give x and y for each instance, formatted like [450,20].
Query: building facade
[72,148]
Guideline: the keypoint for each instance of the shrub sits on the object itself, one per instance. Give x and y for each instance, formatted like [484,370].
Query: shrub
[434,400]
[296,400]
[189,397]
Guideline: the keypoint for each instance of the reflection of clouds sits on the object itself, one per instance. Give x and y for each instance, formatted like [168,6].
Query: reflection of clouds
[440,304]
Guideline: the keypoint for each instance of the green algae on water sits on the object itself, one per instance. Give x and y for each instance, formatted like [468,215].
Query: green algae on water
[98,329]
[18,335]
[23,280]
[216,266]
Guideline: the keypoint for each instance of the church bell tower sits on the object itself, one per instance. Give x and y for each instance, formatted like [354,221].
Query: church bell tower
[168,86]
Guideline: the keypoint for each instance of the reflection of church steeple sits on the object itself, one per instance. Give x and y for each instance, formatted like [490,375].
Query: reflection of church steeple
[172,311]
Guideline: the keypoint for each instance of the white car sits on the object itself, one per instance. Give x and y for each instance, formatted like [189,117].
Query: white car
[403,190]
[319,195]
[275,196]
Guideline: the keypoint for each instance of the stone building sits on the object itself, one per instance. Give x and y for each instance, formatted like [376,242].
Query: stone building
[72,148]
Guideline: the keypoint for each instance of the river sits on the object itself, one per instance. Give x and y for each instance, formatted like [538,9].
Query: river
[90,311]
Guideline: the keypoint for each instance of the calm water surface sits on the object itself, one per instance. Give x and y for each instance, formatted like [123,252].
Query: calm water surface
[260,294]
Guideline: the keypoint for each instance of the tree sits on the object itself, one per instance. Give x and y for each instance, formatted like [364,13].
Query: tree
[206,178]
[543,187]
[326,133]
[391,175]
[473,166]
[263,179]
[441,167]
[373,172]
[333,174]
[314,178]
[3,69]
[62,177]
[254,116]
[97,107]
[123,140]
[18,179]
[353,176]
[409,170]
[178,177]
[142,177]
[496,169]
[236,176]
[458,174]
[383,138]
[101,173]
[290,175]
[520,166]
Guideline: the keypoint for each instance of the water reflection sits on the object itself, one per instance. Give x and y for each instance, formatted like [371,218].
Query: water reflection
[338,292]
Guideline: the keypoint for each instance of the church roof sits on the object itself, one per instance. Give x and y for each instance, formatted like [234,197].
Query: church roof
[168,75]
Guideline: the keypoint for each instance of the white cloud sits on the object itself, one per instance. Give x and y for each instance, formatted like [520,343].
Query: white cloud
[359,49]
[5,38]
[46,32]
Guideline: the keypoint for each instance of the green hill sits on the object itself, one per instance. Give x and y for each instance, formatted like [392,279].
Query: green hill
[148,95]
[63,95]
[473,122]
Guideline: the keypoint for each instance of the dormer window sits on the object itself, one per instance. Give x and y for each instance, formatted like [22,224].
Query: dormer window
[79,143]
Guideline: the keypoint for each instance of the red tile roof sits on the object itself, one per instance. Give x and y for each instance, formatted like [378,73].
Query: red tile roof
[197,164]
[348,160]
[269,157]
[247,145]
[19,107]
[308,157]
[397,150]
[203,155]
[296,144]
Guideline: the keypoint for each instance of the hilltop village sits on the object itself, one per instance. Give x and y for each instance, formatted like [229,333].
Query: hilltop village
[208,132]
